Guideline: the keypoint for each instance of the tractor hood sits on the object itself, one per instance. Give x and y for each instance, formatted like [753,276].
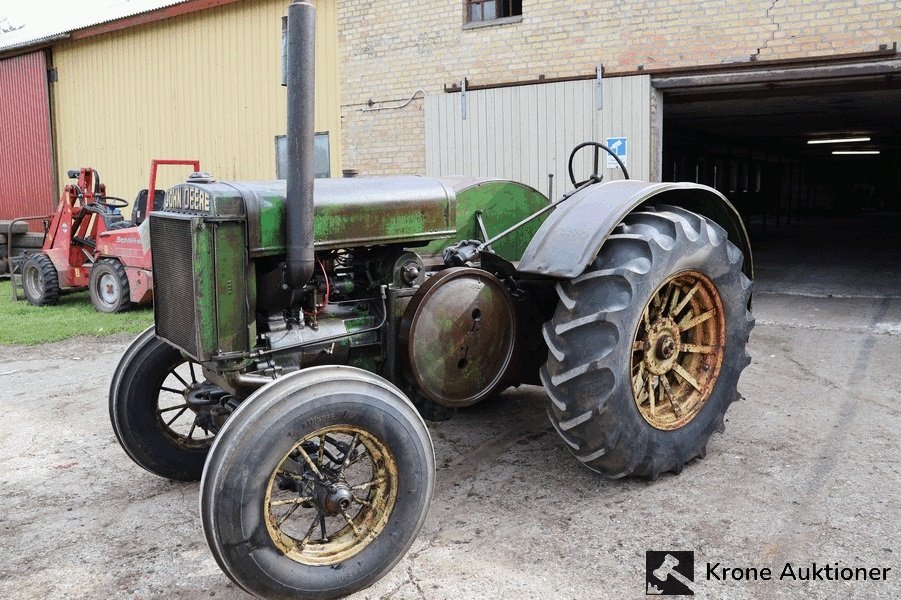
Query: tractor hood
[349,212]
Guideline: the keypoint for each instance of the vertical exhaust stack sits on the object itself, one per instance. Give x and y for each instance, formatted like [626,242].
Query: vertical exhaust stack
[301,131]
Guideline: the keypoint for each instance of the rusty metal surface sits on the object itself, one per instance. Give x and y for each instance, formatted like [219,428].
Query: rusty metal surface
[458,334]
[678,350]
[26,157]
[349,512]
[573,233]
[350,212]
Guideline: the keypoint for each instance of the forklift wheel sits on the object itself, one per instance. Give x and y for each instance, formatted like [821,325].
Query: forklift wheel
[109,286]
[40,280]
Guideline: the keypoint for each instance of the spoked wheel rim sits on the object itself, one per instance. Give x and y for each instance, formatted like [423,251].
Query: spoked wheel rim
[678,350]
[331,495]
[179,403]
[108,289]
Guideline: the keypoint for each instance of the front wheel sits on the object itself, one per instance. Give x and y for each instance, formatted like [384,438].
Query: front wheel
[317,485]
[646,347]
[110,292]
[159,409]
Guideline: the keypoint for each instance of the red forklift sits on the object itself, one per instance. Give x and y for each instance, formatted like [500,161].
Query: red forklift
[88,244]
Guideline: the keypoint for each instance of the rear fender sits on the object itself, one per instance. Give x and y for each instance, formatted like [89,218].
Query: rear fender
[574,232]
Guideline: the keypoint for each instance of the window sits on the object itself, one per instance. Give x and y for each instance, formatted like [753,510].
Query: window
[478,11]
[321,166]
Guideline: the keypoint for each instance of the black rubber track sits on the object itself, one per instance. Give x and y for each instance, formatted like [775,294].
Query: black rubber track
[114,268]
[590,336]
[50,292]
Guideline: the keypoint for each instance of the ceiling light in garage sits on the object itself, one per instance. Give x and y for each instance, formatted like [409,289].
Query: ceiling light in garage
[855,151]
[839,140]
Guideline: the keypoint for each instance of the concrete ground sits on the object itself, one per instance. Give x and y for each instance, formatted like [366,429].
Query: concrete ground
[806,471]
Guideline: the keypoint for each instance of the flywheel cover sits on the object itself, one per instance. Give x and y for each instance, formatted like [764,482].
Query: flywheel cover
[458,335]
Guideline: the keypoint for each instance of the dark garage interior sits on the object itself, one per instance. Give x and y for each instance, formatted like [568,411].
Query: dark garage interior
[821,223]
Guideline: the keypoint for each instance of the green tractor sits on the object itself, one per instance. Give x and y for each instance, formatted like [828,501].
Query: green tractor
[302,329]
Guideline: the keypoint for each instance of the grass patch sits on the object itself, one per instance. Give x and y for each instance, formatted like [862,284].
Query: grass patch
[22,324]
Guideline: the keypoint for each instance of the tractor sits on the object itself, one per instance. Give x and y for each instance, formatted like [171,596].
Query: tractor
[303,328]
[88,244]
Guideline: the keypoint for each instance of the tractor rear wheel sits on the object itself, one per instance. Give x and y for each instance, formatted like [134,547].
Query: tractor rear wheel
[154,421]
[317,485]
[110,292]
[646,347]
[40,280]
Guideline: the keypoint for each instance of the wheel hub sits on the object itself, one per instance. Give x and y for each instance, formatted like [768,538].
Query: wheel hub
[663,343]
[333,499]
[107,288]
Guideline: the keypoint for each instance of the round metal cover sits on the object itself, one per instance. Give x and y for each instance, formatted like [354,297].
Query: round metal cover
[458,333]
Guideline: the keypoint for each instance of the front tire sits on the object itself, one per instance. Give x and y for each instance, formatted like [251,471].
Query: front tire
[317,485]
[40,280]
[109,287]
[647,346]
[149,412]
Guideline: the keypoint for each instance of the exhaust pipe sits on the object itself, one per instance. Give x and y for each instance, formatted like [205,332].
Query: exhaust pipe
[301,130]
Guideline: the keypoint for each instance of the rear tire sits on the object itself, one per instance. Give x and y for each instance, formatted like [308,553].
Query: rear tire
[605,354]
[258,475]
[110,292]
[40,280]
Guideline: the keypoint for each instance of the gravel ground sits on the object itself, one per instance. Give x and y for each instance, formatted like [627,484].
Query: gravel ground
[807,470]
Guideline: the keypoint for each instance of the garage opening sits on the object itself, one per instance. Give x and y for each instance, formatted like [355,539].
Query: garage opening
[810,157]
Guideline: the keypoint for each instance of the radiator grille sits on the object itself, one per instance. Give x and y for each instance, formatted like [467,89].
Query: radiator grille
[173,282]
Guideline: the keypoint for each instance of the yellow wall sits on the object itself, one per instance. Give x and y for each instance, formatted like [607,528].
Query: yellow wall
[205,85]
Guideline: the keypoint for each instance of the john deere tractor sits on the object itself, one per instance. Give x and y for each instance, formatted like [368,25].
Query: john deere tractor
[303,327]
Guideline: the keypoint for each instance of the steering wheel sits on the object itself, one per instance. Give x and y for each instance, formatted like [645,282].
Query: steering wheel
[595,176]
[111,202]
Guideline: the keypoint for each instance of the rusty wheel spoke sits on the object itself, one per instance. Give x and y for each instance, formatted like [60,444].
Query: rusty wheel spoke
[170,408]
[359,500]
[368,484]
[669,394]
[350,522]
[675,299]
[700,349]
[193,376]
[309,461]
[686,376]
[685,300]
[287,515]
[638,380]
[689,322]
[172,390]
[299,500]
[312,528]
[350,451]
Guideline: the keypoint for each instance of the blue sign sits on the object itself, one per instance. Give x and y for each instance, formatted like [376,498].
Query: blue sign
[620,146]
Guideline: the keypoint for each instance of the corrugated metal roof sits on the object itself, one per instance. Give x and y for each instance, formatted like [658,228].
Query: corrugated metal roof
[51,19]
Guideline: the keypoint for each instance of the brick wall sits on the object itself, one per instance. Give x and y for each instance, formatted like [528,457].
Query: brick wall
[392,48]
